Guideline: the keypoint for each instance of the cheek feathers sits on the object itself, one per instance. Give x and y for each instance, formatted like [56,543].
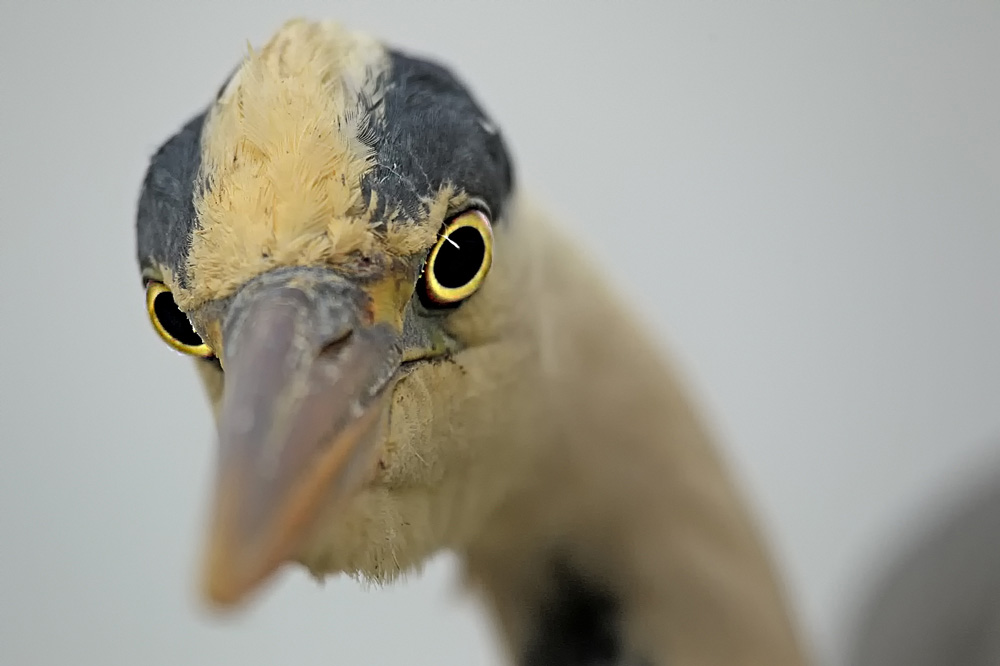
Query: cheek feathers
[212,379]
[409,456]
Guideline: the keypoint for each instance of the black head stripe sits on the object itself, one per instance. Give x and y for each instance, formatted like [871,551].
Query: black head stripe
[433,133]
[166,217]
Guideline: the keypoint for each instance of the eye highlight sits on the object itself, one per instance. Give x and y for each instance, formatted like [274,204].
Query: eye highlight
[172,324]
[459,261]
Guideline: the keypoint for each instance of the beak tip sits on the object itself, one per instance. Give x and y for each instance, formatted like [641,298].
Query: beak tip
[224,585]
[219,590]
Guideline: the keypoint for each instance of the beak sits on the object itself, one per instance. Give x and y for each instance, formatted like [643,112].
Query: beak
[305,382]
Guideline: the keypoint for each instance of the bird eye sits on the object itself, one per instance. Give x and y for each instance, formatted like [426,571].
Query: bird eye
[172,324]
[459,261]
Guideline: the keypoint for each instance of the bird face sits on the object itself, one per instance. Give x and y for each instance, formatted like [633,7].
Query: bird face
[321,240]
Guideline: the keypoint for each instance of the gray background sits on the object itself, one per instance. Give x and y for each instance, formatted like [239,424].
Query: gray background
[802,198]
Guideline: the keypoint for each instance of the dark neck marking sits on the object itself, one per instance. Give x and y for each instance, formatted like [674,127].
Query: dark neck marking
[578,624]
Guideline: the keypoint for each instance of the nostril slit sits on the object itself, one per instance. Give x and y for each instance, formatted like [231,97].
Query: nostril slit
[334,346]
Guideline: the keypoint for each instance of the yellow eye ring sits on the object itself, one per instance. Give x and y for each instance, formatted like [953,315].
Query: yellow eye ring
[171,323]
[460,259]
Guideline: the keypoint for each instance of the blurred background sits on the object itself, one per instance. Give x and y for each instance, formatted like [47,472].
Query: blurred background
[803,198]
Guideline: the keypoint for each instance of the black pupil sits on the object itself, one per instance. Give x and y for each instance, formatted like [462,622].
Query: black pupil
[174,321]
[460,257]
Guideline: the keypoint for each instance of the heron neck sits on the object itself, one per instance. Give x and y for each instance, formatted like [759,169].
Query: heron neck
[629,544]
[626,540]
